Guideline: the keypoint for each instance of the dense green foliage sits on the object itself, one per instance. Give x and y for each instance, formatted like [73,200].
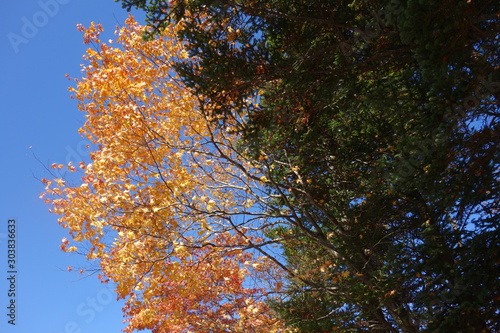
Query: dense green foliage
[380,124]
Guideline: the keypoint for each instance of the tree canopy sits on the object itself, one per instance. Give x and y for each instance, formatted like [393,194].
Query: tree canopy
[341,155]
[167,205]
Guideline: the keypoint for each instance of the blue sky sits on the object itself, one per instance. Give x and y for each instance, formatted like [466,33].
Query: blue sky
[39,45]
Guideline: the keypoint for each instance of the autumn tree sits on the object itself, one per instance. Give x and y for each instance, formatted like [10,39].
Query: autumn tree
[378,123]
[168,208]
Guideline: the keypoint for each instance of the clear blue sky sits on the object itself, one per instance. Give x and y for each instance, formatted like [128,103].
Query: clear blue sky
[39,45]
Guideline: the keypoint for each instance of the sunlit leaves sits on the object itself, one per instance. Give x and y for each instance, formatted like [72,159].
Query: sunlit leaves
[163,206]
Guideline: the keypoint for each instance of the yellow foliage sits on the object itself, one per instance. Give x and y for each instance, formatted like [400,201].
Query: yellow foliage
[147,205]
